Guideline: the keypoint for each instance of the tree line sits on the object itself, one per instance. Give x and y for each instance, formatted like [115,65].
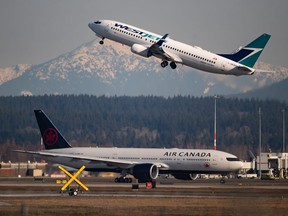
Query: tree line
[144,121]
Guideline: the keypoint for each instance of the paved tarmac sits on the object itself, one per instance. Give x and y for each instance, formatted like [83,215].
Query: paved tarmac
[26,196]
[29,187]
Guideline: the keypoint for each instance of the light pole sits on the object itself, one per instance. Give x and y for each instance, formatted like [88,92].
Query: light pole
[260,172]
[284,144]
[215,97]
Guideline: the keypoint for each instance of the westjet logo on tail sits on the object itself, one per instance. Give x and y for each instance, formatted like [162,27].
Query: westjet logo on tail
[142,34]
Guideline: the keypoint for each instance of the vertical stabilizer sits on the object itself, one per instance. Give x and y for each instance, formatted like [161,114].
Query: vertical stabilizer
[249,54]
[52,138]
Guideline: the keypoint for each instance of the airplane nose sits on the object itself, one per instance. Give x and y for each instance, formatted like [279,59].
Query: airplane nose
[241,164]
[90,25]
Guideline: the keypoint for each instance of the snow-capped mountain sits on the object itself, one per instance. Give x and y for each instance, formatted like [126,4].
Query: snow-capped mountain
[10,73]
[111,69]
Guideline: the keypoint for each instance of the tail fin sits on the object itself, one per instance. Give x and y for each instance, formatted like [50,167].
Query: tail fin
[249,54]
[52,138]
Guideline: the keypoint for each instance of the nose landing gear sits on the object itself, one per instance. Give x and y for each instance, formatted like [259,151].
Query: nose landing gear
[101,41]
[222,181]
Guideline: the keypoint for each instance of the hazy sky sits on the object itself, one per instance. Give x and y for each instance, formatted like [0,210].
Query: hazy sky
[35,31]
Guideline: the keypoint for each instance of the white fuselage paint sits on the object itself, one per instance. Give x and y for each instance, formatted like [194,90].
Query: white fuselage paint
[185,54]
[169,160]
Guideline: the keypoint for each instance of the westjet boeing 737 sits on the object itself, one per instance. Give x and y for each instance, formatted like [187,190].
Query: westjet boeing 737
[143,163]
[147,44]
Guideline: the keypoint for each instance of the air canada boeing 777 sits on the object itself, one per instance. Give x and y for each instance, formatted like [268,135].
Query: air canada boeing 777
[147,44]
[145,164]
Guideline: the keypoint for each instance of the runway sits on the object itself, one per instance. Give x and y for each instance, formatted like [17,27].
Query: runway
[201,197]
[28,187]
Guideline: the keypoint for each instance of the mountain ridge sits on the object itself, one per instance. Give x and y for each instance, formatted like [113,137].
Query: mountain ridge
[111,69]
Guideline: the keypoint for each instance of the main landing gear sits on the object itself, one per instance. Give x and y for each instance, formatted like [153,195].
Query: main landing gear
[123,180]
[165,64]
[222,180]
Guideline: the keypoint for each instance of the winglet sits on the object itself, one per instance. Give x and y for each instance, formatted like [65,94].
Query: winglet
[162,40]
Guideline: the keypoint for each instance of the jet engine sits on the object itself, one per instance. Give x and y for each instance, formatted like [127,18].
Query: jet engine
[141,50]
[145,172]
[185,176]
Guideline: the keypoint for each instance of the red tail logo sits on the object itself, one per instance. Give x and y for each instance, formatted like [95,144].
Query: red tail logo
[50,136]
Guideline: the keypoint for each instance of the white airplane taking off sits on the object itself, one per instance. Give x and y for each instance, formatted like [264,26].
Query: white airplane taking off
[146,44]
[143,163]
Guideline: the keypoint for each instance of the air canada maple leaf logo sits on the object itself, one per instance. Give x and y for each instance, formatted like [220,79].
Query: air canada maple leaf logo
[50,136]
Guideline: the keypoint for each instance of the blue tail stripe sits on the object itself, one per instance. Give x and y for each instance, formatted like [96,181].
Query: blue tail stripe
[237,56]
[249,54]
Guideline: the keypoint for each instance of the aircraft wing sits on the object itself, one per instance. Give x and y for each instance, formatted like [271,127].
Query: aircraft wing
[173,57]
[123,164]
[157,50]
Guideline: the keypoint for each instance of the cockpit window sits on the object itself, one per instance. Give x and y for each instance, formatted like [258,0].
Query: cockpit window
[232,159]
[97,22]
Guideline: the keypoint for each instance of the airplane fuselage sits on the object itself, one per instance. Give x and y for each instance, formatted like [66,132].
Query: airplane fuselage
[170,50]
[145,164]
[198,161]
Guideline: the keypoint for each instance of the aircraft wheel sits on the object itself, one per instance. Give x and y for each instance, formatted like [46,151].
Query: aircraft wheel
[173,65]
[116,180]
[71,192]
[101,42]
[164,64]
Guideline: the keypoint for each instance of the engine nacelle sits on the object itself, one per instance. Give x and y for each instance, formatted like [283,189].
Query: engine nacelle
[145,172]
[141,50]
[185,176]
